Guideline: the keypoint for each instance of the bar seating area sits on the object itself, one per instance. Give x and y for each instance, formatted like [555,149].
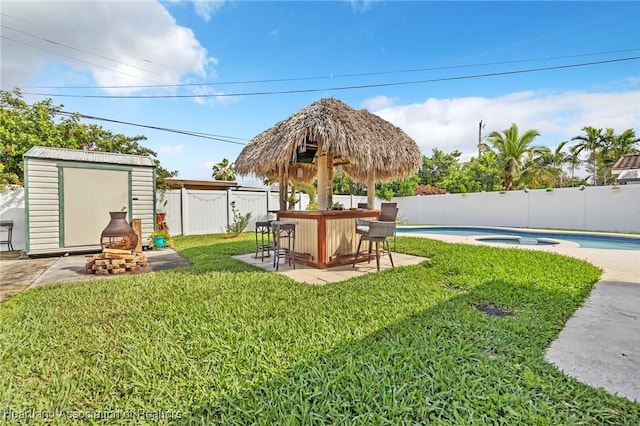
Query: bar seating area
[309,145]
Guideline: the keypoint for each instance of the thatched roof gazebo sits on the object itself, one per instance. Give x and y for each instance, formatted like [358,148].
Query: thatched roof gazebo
[327,133]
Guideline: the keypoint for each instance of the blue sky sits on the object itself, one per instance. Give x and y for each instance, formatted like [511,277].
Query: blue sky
[399,48]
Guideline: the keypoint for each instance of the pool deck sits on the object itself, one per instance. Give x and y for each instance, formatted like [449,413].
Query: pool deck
[600,344]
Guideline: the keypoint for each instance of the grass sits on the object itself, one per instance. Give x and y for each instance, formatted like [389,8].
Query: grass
[225,343]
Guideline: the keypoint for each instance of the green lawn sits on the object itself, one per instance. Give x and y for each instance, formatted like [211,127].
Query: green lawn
[223,342]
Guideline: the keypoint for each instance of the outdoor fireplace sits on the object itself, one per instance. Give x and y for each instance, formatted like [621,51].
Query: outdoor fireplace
[118,234]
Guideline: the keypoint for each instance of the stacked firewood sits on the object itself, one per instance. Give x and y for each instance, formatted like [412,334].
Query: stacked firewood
[116,261]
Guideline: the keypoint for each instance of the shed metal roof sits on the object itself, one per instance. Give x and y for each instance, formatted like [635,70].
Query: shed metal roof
[88,156]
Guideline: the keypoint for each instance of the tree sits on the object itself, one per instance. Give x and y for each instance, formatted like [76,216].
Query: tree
[616,146]
[573,161]
[510,148]
[592,142]
[398,188]
[536,170]
[23,126]
[224,170]
[483,173]
[546,169]
[343,184]
[604,148]
[308,188]
[437,167]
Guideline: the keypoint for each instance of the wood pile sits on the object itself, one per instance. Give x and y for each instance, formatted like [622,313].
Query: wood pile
[116,261]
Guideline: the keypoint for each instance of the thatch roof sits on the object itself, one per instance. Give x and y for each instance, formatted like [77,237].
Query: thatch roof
[360,140]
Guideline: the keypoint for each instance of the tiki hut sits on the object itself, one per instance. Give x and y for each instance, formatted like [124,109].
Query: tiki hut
[328,133]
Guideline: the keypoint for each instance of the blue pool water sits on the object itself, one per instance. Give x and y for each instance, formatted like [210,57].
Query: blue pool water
[599,241]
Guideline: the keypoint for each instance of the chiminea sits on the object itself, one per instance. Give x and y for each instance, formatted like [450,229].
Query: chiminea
[118,234]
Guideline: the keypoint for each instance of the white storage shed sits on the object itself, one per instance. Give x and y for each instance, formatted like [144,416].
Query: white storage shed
[69,194]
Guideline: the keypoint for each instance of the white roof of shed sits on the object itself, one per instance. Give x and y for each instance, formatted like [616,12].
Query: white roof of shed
[88,156]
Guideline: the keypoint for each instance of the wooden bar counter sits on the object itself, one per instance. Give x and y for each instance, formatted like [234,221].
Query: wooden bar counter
[326,238]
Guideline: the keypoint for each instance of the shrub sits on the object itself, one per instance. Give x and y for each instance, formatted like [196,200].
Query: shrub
[239,223]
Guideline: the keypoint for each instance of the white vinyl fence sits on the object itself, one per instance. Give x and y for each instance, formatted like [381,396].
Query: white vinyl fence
[12,208]
[196,212]
[602,208]
[193,212]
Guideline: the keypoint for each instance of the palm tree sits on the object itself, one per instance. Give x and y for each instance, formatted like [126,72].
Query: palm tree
[573,161]
[307,188]
[617,146]
[626,143]
[591,141]
[510,148]
[556,161]
[536,171]
[224,170]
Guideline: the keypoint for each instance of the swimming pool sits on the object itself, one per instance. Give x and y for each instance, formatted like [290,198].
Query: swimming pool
[586,240]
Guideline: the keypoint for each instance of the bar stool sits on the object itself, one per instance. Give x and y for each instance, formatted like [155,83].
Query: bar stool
[377,233]
[284,238]
[263,240]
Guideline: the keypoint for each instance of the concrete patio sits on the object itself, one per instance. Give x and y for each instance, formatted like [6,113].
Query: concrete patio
[309,275]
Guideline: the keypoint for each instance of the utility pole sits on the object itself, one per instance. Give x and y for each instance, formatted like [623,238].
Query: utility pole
[481,125]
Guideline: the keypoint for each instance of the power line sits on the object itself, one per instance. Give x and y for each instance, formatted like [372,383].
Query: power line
[363,86]
[40,26]
[75,59]
[57,43]
[219,138]
[363,74]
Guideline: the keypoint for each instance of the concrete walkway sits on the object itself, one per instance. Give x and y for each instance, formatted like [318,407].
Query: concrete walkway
[600,344]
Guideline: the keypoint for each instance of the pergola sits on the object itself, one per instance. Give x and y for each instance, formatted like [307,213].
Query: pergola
[325,134]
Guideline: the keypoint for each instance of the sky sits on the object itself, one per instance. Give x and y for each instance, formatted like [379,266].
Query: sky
[232,69]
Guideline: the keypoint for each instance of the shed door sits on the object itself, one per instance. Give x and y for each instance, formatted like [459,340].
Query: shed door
[89,196]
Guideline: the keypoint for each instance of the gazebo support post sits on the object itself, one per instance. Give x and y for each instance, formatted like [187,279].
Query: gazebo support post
[371,190]
[330,179]
[282,189]
[322,182]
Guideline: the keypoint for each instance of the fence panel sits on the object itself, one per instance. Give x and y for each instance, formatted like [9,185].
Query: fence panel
[204,212]
[173,209]
[609,208]
[505,208]
[459,206]
[558,208]
[253,202]
[422,210]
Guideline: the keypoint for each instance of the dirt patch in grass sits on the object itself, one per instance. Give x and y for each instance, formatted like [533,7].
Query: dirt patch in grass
[493,310]
[454,287]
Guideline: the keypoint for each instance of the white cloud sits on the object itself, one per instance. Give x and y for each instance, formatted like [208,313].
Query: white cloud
[172,149]
[206,8]
[360,6]
[378,102]
[207,165]
[114,43]
[450,124]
